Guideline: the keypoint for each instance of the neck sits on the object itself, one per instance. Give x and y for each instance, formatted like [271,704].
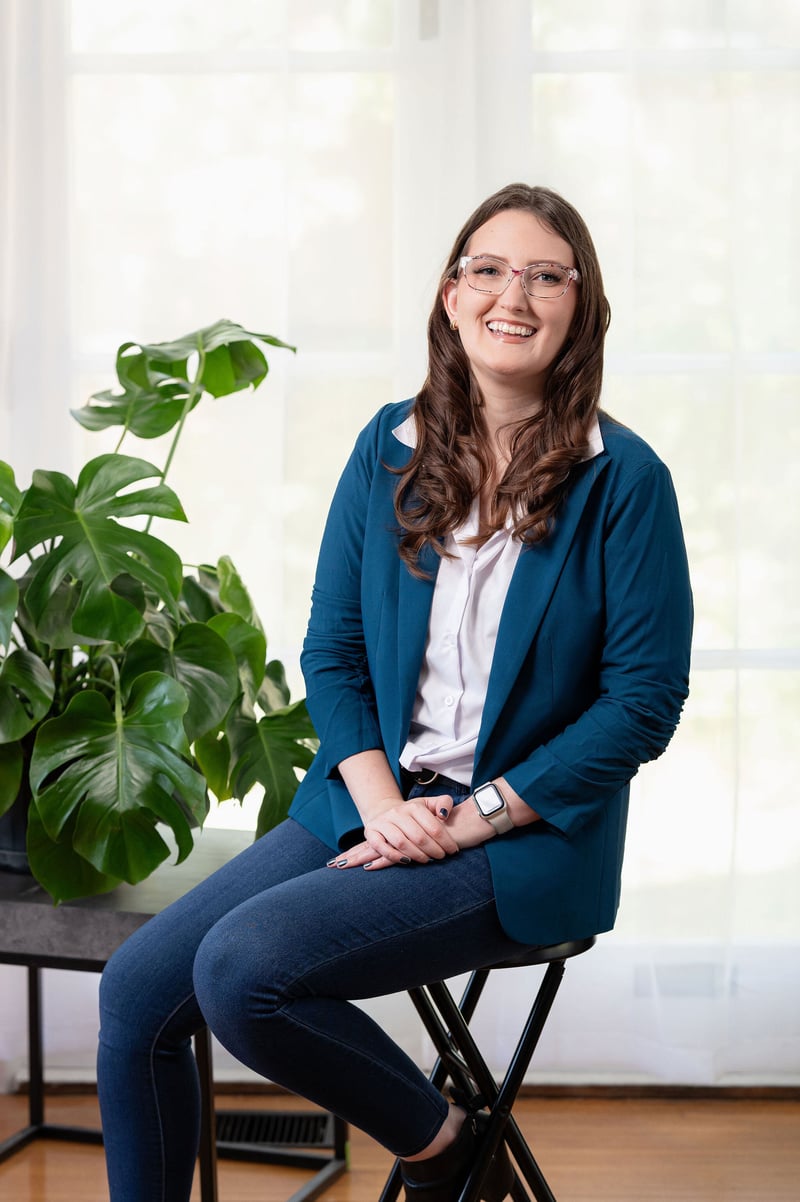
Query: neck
[501,411]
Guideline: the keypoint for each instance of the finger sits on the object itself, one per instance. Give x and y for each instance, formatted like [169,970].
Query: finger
[396,843]
[429,832]
[354,857]
[441,806]
[380,862]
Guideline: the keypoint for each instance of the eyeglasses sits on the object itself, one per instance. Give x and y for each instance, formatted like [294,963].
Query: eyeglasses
[544,281]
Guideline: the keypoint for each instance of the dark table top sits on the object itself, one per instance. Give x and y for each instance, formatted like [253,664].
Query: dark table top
[83,933]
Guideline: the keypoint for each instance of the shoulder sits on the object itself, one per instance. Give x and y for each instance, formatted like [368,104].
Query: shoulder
[637,482]
[623,445]
[627,454]
[385,436]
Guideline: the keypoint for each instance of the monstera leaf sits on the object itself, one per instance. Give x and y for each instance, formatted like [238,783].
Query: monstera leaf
[201,661]
[156,387]
[94,548]
[10,498]
[59,868]
[104,778]
[266,752]
[26,692]
[249,648]
[9,599]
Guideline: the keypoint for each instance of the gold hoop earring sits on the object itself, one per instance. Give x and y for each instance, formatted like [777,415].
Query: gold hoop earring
[454,325]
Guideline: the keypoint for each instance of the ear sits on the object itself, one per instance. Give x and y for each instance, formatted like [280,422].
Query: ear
[450,299]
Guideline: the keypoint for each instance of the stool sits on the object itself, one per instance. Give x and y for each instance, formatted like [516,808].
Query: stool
[460,1061]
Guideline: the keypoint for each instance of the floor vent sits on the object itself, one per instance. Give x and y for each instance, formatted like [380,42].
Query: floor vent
[284,1128]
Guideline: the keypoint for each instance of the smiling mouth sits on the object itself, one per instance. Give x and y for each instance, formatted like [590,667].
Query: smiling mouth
[505,327]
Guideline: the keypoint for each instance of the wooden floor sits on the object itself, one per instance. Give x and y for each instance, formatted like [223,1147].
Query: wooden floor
[590,1149]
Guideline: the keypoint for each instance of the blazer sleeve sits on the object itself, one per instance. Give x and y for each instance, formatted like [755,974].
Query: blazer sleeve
[339,692]
[644,660]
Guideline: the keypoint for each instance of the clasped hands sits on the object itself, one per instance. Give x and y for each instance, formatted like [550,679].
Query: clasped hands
[406,832]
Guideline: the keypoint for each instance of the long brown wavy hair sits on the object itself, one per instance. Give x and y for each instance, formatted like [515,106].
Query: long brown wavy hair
[453,460]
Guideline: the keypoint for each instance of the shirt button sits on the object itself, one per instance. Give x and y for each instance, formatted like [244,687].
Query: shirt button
[449,700]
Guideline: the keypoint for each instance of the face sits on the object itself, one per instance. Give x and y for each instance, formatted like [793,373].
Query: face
[511,340]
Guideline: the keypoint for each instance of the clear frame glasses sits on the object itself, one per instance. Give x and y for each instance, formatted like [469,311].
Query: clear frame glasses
[544,281]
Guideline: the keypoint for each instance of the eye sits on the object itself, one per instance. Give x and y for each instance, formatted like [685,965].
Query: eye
[485,268]
[547,275]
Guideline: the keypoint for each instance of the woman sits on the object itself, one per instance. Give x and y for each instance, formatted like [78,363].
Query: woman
[499,634]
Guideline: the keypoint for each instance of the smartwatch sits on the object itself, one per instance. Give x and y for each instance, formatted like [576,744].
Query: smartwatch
[492,807]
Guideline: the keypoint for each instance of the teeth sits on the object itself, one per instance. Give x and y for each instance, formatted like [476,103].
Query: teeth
[503,327]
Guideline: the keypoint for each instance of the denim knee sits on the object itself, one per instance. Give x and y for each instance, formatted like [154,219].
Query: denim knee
[226,980]
[122,998]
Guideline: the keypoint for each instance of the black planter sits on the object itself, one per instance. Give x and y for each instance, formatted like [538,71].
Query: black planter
[13,832]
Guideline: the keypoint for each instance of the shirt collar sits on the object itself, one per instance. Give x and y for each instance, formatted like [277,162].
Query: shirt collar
[406,433]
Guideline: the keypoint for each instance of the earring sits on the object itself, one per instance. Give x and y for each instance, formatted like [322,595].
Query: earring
[453,324]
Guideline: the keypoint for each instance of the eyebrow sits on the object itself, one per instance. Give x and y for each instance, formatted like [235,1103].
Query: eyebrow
[485,254]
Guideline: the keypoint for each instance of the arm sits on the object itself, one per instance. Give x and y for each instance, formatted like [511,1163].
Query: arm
[340,695]
[339,692]
[643,667]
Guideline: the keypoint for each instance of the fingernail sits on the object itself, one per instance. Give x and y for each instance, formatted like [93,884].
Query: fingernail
[341,863]
[443,812]
[405,860]
[331,863]
[368,865]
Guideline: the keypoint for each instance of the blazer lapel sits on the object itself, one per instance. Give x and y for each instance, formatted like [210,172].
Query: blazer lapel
[532,584]
[414,607]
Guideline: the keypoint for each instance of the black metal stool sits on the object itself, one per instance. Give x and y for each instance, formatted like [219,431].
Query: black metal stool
[460,1061]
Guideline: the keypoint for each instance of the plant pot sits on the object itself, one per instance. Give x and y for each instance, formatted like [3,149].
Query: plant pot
[13,834]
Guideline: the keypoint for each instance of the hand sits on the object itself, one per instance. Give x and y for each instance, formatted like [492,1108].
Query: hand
[409,832]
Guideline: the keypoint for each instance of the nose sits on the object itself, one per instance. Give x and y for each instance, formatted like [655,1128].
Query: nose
[514,295]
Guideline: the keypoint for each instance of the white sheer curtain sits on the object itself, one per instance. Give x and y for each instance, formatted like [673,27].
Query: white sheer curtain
[302,168]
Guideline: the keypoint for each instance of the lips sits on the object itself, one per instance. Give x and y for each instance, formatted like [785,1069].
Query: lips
[506,327]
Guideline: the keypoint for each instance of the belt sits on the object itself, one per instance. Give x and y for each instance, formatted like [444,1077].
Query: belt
[426,776]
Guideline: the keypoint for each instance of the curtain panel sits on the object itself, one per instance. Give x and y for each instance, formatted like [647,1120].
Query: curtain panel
[302,168]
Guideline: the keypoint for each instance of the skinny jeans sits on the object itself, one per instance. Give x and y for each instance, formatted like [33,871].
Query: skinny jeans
[270,952]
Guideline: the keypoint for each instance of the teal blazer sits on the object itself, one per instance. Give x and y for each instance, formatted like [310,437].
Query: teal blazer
[588,680]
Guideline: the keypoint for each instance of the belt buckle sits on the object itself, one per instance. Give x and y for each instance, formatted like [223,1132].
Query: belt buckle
[421,780]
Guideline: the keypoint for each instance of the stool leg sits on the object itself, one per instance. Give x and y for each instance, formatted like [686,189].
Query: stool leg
[501,1124]
[208,1124]
[442,1067]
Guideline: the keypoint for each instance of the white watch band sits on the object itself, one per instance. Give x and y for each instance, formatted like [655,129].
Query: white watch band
[500,821]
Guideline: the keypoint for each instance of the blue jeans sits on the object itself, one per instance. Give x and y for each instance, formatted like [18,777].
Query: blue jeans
[269,952]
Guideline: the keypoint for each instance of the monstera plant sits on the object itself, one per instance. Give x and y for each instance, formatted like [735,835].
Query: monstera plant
[131,688]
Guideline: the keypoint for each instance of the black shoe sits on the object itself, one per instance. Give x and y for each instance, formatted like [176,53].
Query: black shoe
[441,1178]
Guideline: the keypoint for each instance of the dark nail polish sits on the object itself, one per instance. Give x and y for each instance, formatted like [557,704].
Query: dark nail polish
[443,812]
[405,860]
[331,863]
[341,863]
[367,865]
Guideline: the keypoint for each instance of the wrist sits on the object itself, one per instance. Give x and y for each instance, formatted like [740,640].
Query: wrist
[490,804]
[380,806]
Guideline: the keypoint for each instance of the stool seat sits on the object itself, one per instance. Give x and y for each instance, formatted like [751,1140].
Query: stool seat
[461,1062]
[544,955]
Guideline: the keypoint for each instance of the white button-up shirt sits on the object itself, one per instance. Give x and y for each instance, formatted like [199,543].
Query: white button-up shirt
[468,598]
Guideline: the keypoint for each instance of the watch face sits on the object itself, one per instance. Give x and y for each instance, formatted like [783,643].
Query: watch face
[489,799]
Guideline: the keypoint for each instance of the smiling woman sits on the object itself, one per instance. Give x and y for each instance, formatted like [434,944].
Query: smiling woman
[519,359]
[499,637]
[492,320]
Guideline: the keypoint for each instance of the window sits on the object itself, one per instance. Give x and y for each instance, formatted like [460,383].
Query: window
[302,168]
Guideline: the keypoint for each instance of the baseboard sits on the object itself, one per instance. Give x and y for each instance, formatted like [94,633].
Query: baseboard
[689,1093]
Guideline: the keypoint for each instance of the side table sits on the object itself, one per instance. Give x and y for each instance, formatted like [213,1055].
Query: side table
[81,936]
